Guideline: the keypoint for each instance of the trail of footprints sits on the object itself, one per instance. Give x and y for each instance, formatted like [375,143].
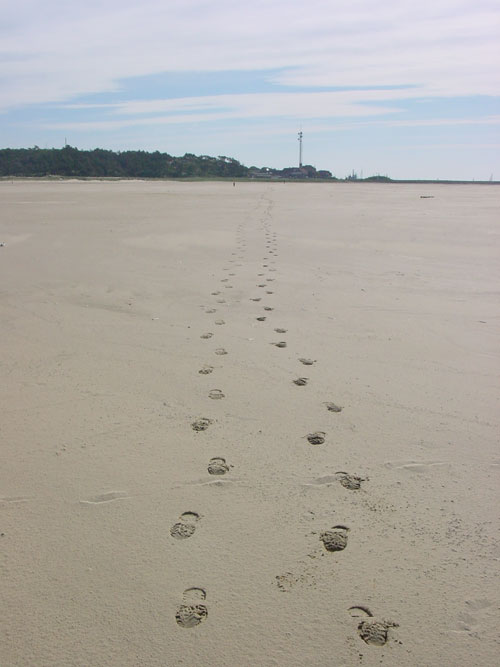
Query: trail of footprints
[193,610]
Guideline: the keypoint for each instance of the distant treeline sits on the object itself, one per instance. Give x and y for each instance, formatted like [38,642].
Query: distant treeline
[70,161]
[100,163]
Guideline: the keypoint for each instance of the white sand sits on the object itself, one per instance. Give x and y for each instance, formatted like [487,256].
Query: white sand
[105,289]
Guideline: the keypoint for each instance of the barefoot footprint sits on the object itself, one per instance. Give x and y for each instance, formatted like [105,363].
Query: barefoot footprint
[186,525]
[371,630]
[306,362]
[206,370]
[300,382]
[192,612]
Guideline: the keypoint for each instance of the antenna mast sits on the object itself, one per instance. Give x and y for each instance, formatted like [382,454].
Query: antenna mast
[300,149]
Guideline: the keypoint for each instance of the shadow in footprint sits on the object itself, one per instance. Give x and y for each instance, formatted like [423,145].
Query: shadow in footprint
[300,382]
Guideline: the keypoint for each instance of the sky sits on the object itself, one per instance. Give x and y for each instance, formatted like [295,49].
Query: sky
[395,87]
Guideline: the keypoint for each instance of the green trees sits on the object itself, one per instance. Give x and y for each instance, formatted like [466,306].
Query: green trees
[70,161]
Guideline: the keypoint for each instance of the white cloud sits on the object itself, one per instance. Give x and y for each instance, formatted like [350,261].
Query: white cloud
[58,50]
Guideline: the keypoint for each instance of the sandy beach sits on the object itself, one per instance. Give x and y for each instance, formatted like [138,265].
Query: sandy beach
[169,495]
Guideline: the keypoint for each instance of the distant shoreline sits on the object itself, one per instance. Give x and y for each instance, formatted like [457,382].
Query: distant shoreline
[228,179]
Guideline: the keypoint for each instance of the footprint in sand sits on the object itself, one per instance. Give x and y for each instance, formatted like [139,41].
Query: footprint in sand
[206,370]
[260,319]
[220,351]
[256,299]
[281,343]
[335,539]
[219,322]
[261,285]
[201,424]
[210,311]
[186,525]
[215,293]
[228,286]
[216,394]
[217,466]
[268,308]
[300,382]
[192,612]
[372,631]
[333,407]
[268,291]
[280,330]
[307,362]
[207,335]
[351,482]
[224,280]
[317,438]
[221,300]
